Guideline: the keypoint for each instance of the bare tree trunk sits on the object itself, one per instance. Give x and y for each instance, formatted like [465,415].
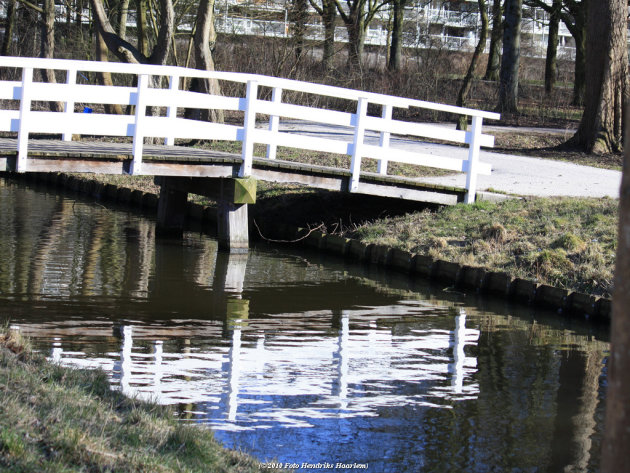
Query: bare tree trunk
[48,47]
[356,40]
[551,66]
[494,55]
[122,19]
[328,16]
[467,83]
[142,26]
[105,78]
[617,434]
[328,11]
[8,28]
[508,84]
[298,16]
[601,127]
[205,36]
[579,75]
[395,54]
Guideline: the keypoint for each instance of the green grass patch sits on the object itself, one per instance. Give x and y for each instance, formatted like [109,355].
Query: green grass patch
[566,242]
[57,419]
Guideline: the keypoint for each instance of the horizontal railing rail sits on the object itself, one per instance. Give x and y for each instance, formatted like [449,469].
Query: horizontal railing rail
[26,120]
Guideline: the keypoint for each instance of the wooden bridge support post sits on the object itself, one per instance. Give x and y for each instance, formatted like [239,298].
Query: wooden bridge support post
[171,212]
[232,222]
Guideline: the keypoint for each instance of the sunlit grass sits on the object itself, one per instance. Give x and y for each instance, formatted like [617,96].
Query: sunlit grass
[567,242]
[59,419]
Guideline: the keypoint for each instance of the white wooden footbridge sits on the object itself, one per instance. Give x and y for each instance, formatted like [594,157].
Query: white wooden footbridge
[24,117]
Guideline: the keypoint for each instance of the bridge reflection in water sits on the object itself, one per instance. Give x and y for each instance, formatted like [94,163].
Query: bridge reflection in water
[300,358]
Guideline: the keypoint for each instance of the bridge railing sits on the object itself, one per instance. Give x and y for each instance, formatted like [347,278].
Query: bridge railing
[26,119]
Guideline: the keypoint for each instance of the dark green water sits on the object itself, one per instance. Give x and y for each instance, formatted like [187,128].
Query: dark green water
[299,357]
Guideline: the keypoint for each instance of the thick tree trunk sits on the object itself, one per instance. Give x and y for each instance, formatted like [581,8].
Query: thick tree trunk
[48,47]
[105,78]
[468,79]
[601,127]
[508,83]
[494,54]
[579,76]
[8,28]
[329,14]
[205,36]
[356,40]
[395,52]
[298,16]
[551,66]
[617,434]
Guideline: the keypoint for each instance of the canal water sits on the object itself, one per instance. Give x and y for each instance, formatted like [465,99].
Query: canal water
[299,358]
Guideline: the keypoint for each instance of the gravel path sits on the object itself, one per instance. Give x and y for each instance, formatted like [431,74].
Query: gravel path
[510,174]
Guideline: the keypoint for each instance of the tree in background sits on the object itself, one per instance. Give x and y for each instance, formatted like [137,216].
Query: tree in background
[601,127]
[468,79]
[551,65]
[573,14]
[357,19]
[328,11]
[298,15]
[205,37]
[395,54]
[127,52]
[494,53]
[8,28]
[510,61]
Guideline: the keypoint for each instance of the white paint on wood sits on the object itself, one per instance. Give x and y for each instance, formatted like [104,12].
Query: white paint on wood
[386,115]
[274,120]
[171,111]
[71,80]
[249,126]
[473,161]
[139,133]
[358,144]
[25,110]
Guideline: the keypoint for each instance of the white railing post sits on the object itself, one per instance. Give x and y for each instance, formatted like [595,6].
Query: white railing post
[25,109]
[473,159]
[357,148]
[249,128]
[171,110]
[274,122]
[384,139]
[68,108]
[138,131]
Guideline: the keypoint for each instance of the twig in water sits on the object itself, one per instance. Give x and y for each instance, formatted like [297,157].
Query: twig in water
[311,230]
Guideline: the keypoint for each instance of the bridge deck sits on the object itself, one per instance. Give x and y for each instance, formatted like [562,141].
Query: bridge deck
[115,158]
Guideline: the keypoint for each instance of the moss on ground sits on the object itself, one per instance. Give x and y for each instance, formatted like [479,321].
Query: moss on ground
[58,419]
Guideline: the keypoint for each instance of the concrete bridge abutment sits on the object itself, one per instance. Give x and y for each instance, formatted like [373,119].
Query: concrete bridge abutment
[232,195]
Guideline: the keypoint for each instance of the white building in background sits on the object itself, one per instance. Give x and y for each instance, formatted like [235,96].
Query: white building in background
[450,24]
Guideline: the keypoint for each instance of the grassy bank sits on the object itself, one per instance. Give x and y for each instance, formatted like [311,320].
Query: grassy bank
[55,419]
[565,242]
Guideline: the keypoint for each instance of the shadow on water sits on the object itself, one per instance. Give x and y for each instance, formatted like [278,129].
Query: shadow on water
[299,356]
